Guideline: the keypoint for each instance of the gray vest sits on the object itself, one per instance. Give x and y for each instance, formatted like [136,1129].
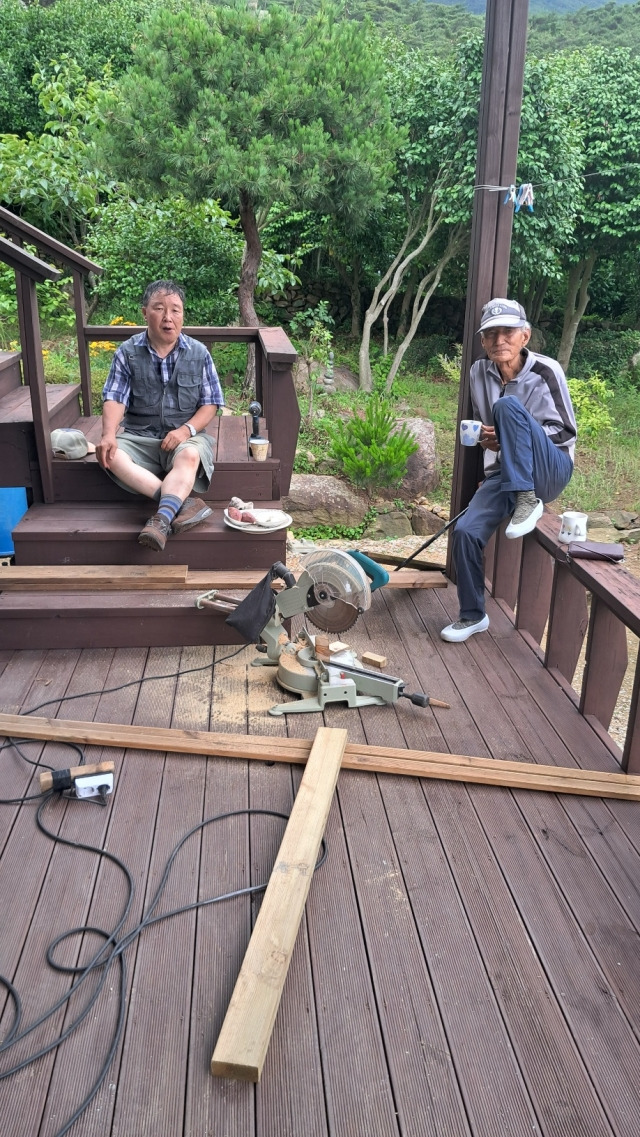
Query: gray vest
[155,407]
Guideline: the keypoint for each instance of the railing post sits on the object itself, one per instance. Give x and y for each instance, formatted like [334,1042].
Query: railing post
[33,366]
[280,402]
[83,347]
[534,593]
[605,664]
[631,755]
[568,619]
[506,568]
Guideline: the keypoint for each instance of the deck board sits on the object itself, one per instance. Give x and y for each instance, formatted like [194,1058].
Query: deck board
[467,964]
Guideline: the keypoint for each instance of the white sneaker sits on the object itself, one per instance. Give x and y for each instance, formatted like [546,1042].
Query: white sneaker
[528,510]
[462,629]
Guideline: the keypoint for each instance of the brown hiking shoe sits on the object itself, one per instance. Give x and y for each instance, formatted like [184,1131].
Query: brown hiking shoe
[155,533]
[192,512]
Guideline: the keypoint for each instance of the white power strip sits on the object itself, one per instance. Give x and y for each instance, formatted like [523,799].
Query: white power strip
[91,785]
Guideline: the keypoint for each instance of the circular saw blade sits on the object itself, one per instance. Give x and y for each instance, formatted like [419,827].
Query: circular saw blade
[336,616]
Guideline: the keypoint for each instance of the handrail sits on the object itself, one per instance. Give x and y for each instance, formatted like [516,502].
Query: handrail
[15,225]
[21,261]
[545,594]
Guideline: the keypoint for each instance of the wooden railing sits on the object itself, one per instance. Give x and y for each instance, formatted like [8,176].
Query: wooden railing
[79,267]
[274,354]
[546,594]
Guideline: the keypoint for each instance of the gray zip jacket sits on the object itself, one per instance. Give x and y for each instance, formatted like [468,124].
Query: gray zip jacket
[541,387]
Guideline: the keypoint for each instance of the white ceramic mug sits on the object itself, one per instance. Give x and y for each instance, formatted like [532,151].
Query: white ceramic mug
[470,431]
[573,527]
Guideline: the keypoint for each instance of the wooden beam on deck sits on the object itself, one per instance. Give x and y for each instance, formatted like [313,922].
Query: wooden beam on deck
[114,578]
[357,756]
[242,1044]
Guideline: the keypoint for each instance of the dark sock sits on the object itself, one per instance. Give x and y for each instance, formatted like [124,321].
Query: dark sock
[169,506]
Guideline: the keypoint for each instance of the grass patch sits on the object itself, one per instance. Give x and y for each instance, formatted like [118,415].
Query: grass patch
[607,471]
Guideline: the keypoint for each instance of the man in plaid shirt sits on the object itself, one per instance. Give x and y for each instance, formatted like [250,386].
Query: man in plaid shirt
[163,388]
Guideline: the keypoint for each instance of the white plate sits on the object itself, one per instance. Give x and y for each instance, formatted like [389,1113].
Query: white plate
[249,526]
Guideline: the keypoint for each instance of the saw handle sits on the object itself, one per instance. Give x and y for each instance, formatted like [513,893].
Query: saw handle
[420,700]
[285,574]
[376,573]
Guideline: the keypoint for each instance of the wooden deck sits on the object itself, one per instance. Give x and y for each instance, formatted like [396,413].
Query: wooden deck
[468,963]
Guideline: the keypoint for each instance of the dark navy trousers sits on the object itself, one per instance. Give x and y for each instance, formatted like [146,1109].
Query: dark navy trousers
[529,460]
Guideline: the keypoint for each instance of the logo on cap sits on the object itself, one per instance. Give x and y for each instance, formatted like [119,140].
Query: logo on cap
[497,311]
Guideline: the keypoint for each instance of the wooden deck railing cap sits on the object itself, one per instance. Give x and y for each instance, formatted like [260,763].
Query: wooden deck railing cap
[22,261]
[15,226]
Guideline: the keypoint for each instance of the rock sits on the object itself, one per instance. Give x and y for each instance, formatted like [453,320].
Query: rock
[424,522]
[422,468]
[538,340]
[316,499]
[344,379]
[622,519]
[598,521]
[631,537]
[395,523]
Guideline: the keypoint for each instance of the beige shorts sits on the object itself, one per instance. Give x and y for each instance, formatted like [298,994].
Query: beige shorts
[146,452]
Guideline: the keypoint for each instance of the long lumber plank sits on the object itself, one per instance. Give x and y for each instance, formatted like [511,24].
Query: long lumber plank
[244,1039]
[374,759]
[113,578]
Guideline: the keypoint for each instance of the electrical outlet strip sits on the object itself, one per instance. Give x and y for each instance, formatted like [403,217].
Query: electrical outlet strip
[91,786]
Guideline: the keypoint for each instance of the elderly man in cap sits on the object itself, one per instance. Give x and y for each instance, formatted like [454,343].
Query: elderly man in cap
[163,388]
[528,435]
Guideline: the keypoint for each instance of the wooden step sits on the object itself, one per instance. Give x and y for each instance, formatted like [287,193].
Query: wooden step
[235,473]
[18,457]
[10,371]
[103,533]
[63,405]
[45,620]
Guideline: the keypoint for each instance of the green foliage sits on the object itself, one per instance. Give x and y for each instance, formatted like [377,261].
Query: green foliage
[53,179]
[53,302]
[590,398]
[311,330]
[373,451]
[32,34]
[450,366]
[337,532]
[195,245]
[603,351]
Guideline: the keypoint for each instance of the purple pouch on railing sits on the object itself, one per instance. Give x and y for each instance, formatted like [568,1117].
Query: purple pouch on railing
[595,551]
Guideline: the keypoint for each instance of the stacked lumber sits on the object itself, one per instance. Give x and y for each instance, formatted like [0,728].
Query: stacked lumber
[152,578]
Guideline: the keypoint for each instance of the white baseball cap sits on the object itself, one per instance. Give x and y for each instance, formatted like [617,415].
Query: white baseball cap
[500,313]
[71,443]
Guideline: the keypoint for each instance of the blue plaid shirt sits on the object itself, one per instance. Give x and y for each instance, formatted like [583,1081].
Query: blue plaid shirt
[118,385]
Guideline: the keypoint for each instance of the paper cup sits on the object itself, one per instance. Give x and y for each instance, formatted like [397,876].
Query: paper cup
[470,430]
[259,448]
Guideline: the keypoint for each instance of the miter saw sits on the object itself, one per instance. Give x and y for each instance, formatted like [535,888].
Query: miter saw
[333,589]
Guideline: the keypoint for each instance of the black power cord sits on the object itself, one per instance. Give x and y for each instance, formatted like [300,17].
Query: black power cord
[12,742]
[115,948]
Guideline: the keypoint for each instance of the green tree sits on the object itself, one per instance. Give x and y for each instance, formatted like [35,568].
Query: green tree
[256,108]
[196,245]
[605,94]
[54,179]
[94,32]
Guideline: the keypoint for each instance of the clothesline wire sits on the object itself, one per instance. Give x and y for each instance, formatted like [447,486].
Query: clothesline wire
[560,181]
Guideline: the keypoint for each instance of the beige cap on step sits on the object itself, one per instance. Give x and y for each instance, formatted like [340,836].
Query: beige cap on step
[71,443]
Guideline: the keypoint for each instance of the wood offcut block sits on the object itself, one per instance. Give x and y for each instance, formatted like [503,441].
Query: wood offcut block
[370,659]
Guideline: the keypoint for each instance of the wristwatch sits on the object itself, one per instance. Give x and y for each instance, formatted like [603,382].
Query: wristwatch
[192,430]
